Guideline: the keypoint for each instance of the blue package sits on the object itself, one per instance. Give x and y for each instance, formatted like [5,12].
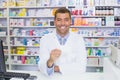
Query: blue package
[118,1]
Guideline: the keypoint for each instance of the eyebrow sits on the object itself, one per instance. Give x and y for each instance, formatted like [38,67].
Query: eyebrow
[64,18]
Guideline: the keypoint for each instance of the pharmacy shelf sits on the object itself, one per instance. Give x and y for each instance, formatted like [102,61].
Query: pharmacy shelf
[7,63]
[24,46]
[101,36]
[24,64]
[115,5]
[3,26]
[35,7]
[32,27]
[95,57]
[1,17]
[3,36]
[31,16]
[94,65]
[4,29]
[117,16]
[95,26]
[26,36]
[3,7]
[5,45]
[27,29]
[6,54]
[82,16]
[24,55]
[97,46]
[108,6]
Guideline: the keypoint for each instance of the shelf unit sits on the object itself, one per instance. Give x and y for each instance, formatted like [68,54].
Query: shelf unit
[101,34]
[4,29]
[24,25]
[31,32]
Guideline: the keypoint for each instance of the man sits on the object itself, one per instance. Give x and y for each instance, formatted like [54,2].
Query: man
[62,51]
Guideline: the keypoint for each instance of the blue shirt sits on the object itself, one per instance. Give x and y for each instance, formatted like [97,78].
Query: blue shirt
[62,40]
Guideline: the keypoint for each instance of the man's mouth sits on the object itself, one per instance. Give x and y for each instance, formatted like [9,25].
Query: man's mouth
[62,27]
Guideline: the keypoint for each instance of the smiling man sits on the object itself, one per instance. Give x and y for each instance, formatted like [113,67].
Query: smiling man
[62,51]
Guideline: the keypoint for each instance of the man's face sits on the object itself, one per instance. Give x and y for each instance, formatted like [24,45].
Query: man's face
[62,23]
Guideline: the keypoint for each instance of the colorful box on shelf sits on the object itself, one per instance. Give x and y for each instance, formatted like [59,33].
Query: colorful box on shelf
[79,21]
[20,50]
[22,12]
[99,52]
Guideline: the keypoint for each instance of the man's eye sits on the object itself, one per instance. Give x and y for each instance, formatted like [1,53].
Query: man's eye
[58,19]
[66,19]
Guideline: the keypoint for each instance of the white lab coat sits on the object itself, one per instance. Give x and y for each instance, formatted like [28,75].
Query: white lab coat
[73,58]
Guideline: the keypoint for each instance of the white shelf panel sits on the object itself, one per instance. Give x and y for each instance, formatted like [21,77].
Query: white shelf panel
[6,54]
[27,36]
[115,5]
[31,16]
[17,7]
[23,55]
[5,45]
[1,17]
[23,46]
[23,64]
[3,35]
[3,7]
[101,36]
[32,26]
[97,46]
[95,26]
[7,63]
[83,36]
[3,26]
[77,16]
[94,65]
[94,56]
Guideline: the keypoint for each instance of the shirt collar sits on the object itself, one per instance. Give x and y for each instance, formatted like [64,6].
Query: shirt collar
[65,37]
[62,40]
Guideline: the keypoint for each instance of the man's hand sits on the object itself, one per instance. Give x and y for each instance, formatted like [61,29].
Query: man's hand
[56,69]
[54,55]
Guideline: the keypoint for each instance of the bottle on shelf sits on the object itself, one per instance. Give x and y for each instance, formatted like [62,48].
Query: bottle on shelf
[117,21]
[111,11]
[103,22]
[107,10]
[99,11]
[103,10]
[96,11]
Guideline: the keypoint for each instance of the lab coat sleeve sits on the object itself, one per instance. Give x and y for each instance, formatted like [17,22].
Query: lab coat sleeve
[79,66]
[44,56]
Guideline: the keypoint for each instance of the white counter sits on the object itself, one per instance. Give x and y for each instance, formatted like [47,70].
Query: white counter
[85,76]
[111,72]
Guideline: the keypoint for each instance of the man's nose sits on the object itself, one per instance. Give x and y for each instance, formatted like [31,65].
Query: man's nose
[63,23]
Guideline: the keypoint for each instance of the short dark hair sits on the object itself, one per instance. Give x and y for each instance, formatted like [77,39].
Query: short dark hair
[62,10]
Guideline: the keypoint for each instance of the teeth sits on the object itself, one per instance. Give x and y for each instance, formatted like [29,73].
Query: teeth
[63,27]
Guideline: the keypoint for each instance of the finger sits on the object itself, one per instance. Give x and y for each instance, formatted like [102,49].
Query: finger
[58,51]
